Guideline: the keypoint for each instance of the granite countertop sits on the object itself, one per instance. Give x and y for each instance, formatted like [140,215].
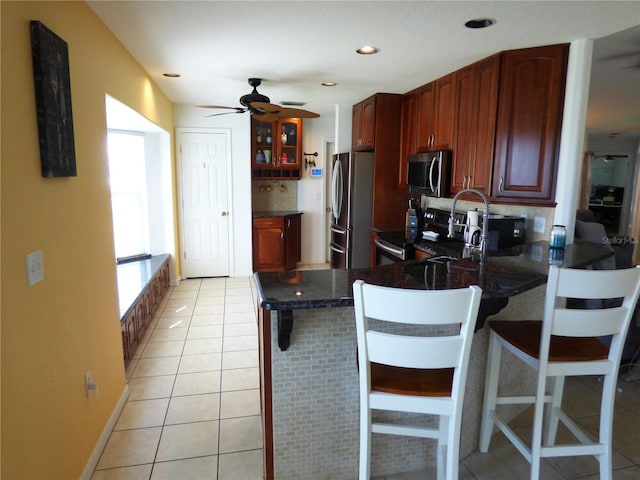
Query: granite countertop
[133,277]
[501,275]
[275,213]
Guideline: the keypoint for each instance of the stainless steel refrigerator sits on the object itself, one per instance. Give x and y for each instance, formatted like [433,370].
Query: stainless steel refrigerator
[351,209]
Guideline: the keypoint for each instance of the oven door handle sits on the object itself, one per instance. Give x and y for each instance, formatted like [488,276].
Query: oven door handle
[397,252]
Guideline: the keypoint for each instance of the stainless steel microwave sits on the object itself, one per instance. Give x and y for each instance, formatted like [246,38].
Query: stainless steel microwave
[429,173]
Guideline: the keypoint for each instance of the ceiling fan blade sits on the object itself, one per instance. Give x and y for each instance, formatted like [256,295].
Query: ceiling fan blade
[297,113]
[237,109]
[281,112]
[223,113]
[266,107]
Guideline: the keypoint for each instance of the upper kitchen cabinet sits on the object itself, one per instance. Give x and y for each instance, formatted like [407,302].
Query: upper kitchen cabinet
[408,138]
[363,125]
[529,123]
[276,149]
[475,125]
[380,117]
[436,114]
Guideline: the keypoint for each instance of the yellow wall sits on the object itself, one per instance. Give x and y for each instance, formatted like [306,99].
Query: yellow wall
[56,330]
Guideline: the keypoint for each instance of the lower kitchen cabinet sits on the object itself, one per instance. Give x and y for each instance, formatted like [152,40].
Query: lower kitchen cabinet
[276,242]
[138,316]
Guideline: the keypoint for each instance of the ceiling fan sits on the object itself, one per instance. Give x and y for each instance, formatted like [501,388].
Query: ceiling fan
[260,108]
[609,158]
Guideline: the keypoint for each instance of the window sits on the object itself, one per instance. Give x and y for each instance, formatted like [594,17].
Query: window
[128,181]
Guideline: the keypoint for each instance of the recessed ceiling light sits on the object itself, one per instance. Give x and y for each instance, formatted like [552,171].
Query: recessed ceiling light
[329,84]
[367,50]
[171,75]
[480,23]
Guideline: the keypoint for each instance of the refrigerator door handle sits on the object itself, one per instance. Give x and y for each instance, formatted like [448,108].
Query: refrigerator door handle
[339,231]
[336,190]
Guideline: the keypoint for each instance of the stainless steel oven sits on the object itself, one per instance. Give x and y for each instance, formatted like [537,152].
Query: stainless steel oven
[389,252]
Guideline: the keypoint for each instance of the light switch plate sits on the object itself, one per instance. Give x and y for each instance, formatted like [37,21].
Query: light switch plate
[35,267]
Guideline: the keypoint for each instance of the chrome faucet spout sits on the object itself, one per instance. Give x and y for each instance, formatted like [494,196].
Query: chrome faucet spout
[484,239]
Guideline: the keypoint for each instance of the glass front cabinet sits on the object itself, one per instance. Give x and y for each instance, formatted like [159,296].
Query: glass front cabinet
[276,149]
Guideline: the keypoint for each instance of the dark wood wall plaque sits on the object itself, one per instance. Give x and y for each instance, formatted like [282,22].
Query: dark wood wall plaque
[53,102]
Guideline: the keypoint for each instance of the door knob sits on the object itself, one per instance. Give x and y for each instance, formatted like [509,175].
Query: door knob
[224,214]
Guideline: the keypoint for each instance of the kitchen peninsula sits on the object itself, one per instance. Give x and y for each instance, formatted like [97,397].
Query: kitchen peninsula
[309,381]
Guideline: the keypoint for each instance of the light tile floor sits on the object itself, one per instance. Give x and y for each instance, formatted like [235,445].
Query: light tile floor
[194,412]
[194,406]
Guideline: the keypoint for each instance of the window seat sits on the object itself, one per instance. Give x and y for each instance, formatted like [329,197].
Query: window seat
[141,286]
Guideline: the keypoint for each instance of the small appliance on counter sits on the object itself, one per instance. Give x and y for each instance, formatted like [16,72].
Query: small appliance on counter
[472,230]
[505,231]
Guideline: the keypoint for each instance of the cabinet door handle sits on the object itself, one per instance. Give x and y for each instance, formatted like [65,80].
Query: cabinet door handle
[501,185]
[281,235]
[288,222]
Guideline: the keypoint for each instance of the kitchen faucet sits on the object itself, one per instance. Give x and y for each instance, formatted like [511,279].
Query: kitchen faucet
[484,239]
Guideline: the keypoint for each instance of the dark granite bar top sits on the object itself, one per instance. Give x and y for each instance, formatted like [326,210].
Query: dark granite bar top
[501,275]
[276,213]
[133,277]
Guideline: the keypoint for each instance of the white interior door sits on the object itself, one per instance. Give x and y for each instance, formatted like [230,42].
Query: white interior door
[204,202]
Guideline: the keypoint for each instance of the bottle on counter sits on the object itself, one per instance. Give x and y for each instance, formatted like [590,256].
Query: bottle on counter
[558,236]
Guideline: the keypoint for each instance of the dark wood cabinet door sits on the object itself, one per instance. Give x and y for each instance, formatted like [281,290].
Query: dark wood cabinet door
[292,237]
[426,117]
[363,126]
[356,126]
[476,106]
[528,125]
[487,80]
[268,248]
[465,129]
[445,101]
[368,124]
[436,114]
[408,137]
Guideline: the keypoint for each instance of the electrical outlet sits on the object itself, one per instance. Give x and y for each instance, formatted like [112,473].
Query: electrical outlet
[35,267]
[538,224]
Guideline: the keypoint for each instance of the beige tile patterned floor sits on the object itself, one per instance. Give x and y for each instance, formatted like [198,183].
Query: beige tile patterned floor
[194,412]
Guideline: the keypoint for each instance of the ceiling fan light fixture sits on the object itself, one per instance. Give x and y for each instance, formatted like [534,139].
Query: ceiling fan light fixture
[480,23]
[368,50]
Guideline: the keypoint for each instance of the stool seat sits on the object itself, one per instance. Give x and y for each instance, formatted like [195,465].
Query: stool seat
[525,335]
[411,381]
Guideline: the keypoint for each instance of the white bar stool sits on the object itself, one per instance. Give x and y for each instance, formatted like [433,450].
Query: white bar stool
[565,343]
[408,373]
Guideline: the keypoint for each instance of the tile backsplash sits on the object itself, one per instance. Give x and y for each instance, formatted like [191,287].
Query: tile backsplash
[272,195]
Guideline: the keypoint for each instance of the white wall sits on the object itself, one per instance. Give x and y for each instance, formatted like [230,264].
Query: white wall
[186,116]
[311,190]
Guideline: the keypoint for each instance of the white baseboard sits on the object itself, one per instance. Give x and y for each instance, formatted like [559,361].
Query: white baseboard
[104,436]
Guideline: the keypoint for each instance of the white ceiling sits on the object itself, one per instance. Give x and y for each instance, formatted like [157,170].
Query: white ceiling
[295,45]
